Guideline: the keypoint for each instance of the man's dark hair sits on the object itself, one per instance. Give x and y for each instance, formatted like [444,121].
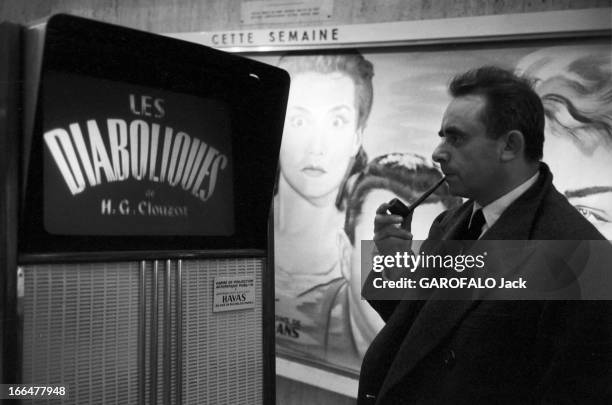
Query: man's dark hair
[404,174]
[511,104]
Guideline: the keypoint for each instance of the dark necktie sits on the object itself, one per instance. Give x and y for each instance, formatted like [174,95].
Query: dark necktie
[474,228]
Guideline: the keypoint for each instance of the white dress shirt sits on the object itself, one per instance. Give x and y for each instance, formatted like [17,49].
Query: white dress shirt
[494,210]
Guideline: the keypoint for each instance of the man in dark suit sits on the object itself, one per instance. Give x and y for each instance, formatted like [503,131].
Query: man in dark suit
[490,351]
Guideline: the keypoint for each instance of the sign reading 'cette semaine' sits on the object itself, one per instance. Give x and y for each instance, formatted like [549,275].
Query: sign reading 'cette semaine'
[122,159]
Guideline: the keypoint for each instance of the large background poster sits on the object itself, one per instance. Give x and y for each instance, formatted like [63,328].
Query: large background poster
[340,160]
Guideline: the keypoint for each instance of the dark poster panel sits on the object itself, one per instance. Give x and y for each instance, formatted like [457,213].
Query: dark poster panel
[123,159]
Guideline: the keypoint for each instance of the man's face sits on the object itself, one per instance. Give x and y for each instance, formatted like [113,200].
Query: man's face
[467,156]
[320,135]
[583,174]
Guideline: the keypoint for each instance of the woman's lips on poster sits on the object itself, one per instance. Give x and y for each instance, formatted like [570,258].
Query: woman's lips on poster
[314,171]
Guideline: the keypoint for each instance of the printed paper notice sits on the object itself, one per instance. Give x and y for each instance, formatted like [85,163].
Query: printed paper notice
[285,11]
[233,293]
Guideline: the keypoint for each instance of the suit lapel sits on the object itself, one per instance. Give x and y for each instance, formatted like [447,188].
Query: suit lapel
[517,221]
[453,224]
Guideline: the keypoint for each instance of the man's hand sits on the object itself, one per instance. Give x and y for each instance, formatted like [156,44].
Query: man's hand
[391,232]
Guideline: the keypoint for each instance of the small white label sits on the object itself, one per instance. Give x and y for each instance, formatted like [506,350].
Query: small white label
[285,11]
[233,293]
[20,282]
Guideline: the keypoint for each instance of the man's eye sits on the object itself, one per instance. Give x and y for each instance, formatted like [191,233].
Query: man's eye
[452,139]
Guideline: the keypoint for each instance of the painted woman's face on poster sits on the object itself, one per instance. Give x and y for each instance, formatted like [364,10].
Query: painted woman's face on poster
[320,135]
[318,319]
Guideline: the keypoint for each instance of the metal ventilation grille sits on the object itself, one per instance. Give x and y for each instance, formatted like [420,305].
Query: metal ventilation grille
[80,329]
[163,320]
[222,352]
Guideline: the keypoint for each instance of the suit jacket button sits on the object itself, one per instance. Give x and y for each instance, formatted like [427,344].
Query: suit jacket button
[449,359]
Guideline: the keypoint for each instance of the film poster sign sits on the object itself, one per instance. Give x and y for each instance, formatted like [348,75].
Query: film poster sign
[121,159]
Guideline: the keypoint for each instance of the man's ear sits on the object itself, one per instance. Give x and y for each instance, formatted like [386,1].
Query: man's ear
[345,248]
[513,143]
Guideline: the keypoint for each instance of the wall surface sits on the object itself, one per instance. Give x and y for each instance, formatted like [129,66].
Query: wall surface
[210,15]
[165,16]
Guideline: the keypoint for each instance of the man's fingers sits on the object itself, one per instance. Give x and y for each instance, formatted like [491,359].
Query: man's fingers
[383,220]
[382,209]
[389,236]
[392,232]
[390,225]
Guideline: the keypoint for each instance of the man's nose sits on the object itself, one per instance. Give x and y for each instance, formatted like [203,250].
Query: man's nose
[440,154]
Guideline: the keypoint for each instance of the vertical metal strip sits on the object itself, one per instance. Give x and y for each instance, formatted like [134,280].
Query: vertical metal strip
[167,345]
[142,336]
[12,53]
[268,311]
[153,354]
[179,332]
